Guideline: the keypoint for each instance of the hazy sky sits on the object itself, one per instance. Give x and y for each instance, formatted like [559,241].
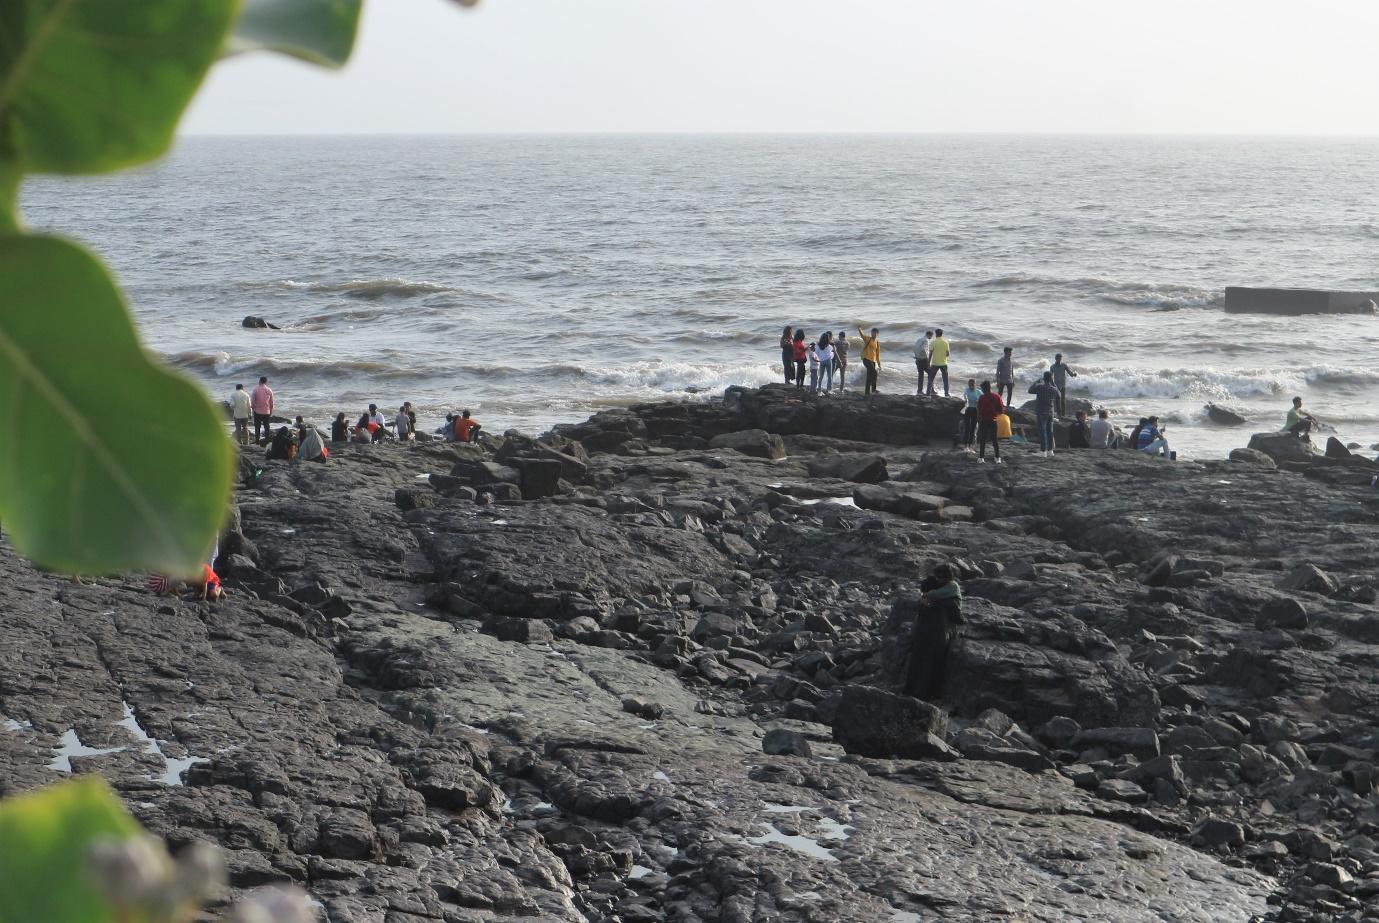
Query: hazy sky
[1247,66]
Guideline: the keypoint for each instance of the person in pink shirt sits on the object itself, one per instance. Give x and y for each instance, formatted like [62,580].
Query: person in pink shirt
[262,402]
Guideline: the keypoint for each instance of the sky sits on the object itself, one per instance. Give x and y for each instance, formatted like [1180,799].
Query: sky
[1019,66]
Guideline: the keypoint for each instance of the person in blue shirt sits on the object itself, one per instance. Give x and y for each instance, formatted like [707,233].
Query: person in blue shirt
[969,415]
[1151,439]
[1046,398]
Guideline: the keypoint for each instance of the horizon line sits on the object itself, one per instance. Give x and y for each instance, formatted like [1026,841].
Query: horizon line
[558,133]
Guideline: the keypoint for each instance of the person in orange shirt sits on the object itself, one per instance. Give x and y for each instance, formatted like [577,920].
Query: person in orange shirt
[466,428]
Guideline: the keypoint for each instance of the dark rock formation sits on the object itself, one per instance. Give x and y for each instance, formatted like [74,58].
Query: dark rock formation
[619,673]
[257,323]
[1297,301]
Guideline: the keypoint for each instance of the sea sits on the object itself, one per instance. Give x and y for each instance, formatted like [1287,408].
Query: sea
[537,279]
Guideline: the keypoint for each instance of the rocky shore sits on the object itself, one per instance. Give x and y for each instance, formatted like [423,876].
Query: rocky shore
[644,668]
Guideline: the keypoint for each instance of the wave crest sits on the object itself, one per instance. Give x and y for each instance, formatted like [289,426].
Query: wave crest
[357,288]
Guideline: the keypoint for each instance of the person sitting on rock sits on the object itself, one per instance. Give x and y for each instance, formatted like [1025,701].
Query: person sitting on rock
[283,446]
[1299,421]
[340,429]
[1080,434]
[1103,435]
[1151,439]
[466,428]
[1134,440]
[936,627]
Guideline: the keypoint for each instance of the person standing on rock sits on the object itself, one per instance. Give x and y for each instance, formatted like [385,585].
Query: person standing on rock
[263,404]
[1061,371]
[1046,398]
[799,352]
[969,415]
[1299,422]
[405,423]
[989,407]
[938,362]
[840,358]
[1005,376]
[871,357]
[936,628]
[922,360]
[826,362]
[241,409]
[814,367]
[787,354]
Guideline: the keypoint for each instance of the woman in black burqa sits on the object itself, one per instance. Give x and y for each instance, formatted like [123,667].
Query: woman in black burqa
[936,627]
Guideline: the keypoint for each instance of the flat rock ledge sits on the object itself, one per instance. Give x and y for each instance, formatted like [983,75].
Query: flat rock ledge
[646,668]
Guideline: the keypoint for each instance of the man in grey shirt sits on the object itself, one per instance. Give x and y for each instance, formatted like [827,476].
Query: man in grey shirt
[1060,379]
[922,359]
[840,358]
[1103,434]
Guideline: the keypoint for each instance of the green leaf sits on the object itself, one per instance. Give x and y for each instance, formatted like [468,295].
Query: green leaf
[44,839]
[110,462]
[319,31]
[93,85]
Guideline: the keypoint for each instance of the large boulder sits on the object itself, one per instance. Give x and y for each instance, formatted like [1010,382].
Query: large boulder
[1252,457]
[1309,578]
[1225,416]
[754,442]
[851,466]
[537,477]
[1284,447]
[876,723]
[912,502]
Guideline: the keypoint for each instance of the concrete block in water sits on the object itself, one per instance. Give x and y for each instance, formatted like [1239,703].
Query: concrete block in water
[1291,301]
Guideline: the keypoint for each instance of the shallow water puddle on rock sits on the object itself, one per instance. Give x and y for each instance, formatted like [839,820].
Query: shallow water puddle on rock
[10,724]
[906,916]
[839,501]
[801,844]
[639,871]
[72,746]
[660,776]
[833,830]
[772,808]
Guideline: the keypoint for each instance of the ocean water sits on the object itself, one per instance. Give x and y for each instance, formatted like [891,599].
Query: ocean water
[535,280]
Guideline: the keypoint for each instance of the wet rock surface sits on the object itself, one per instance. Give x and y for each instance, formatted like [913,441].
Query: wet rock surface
[620,673]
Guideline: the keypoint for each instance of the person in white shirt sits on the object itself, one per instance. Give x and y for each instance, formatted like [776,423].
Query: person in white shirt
[826,362]
[922,358]
[241,409]
[1103,434]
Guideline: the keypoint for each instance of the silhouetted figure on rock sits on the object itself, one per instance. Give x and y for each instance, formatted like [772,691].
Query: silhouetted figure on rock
[936,627]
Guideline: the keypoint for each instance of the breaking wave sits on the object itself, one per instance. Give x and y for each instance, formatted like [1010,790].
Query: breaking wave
[357,288]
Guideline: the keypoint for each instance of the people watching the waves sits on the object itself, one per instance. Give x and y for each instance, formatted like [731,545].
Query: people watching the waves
[787,354]
[1299,422]
[263,405]
[969,415]
[826,362]
[1151,439]
[871,357]
[1005,376]
[1061,371]
[989,407]
[799,350]
[840,358]
[1080,434]
[241,410]
[466,428]
[1046,397]
[921,351]
[813,366]
[1102,433]
[340,429]
[406,423]
[938,361]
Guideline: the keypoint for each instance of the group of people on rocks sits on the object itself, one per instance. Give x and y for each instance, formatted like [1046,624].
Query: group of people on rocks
[303,441]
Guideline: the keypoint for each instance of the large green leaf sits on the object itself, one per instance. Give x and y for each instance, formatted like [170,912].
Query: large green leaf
[92,85]
[44,840]
[320,31]
[110,462]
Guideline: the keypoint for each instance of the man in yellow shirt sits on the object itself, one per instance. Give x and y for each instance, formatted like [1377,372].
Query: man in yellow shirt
[871,356]
[938,361]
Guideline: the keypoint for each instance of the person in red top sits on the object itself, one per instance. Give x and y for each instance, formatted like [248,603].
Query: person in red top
[801,352]
[465,427]
[210,585]
[989,407]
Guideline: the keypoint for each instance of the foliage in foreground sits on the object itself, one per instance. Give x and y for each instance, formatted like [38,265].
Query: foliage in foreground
[112,462]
